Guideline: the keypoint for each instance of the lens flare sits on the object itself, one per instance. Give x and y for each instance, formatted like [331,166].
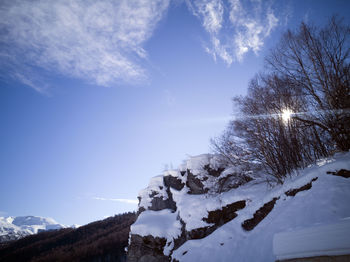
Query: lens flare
[286,115]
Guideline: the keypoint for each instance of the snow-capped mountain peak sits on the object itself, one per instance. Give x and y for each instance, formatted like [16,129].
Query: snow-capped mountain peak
[12,228]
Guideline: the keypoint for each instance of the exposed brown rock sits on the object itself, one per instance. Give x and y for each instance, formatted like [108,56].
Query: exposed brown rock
[232,181]
[308,186]
[259,215]
[213,172]
[195,185]
[182,238]
[225,214]
[342,172]
[146,249]
[201,232]
[159,203]
[173,182]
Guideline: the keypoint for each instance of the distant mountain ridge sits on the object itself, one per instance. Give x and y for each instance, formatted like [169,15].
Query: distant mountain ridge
[99,241]
[13,228]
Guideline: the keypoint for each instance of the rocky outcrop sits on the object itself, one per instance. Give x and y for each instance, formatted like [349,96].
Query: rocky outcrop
[232,181]
[225,214]
[166,200]
[159,203]
[146,249]
[194,179]
[200,232]
[293,192]
[195,185]
[212,171]
[259,215]
[342,172]
[173,182]
[200,197]
[216,218]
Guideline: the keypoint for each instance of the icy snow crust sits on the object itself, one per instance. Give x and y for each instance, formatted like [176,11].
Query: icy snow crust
[326,202]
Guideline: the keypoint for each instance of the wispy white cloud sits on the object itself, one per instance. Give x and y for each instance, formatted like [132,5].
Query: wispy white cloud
[211,12]
[122,200]
[235,27]
[98,41]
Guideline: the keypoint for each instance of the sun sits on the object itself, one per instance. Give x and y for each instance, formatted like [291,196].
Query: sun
[286,115]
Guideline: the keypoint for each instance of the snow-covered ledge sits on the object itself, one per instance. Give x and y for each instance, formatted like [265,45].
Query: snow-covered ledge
[317,241]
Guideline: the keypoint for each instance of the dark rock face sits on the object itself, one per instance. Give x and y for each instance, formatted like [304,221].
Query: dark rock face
[308,186]
[259,215]
[146,249]
[183,238]
[173,182]
[151,248]
[216,217]
[195,185]
[225,214]
[199,233]
[342,172]
[232,181]
[213,172]
[158,203]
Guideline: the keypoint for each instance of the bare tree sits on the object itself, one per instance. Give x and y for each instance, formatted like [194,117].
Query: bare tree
[317,60]
[280,145]
[308,76]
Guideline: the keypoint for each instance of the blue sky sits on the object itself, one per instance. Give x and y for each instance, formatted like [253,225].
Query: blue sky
[98,97]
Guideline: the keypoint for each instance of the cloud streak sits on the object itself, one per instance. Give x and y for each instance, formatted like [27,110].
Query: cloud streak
[102,41]
[122,200]
[235,27]
[98,41]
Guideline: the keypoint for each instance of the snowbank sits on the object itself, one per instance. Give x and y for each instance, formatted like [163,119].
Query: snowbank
[326,240]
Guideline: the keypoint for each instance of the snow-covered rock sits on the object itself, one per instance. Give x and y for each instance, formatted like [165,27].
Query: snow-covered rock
[212,216]
[12,228]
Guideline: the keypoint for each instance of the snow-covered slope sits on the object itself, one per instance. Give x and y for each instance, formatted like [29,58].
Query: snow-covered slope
[186,216]
[12,228]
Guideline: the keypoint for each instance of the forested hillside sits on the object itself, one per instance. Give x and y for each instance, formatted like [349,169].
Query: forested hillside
[103,240]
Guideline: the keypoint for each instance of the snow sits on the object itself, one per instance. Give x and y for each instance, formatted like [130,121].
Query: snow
[326,202]
[35,224]
[326,240]
[196,163]
[161,223]
[155,187]
[7,227]
[174,173]
[26,225]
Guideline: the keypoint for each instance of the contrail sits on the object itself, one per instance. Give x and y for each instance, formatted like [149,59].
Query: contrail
[123,200]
